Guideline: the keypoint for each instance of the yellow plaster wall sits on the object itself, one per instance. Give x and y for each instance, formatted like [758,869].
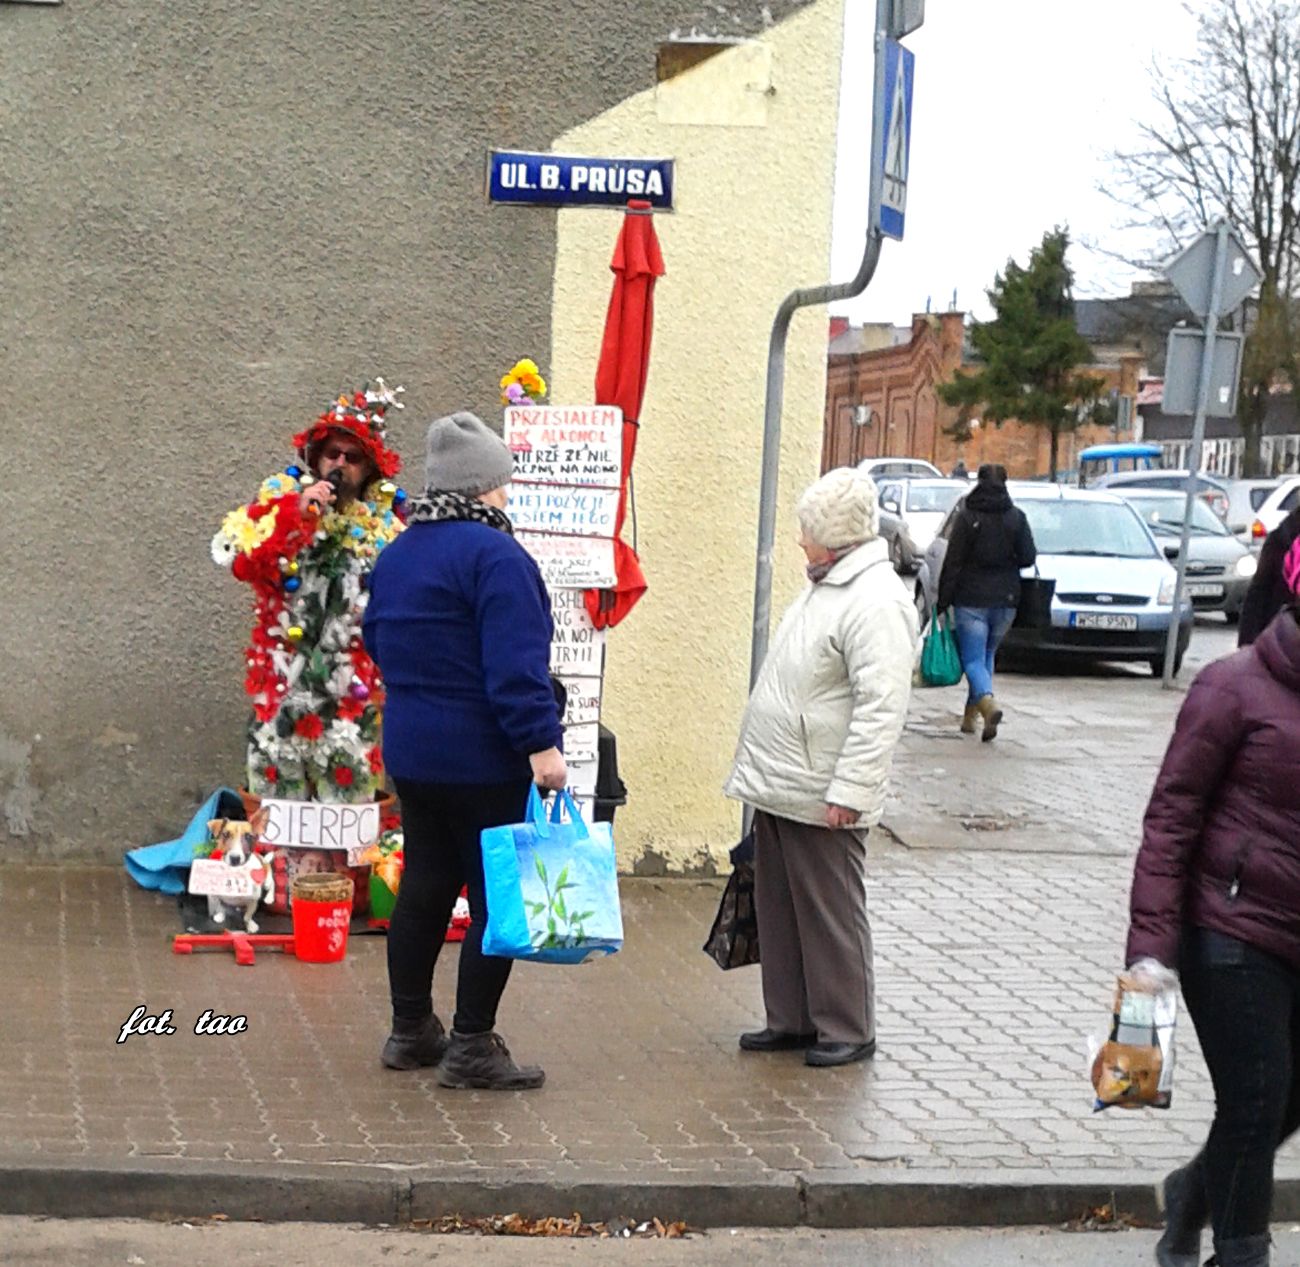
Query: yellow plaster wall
[753,221]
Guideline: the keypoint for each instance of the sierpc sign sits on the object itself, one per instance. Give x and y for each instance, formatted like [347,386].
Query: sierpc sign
[558,180]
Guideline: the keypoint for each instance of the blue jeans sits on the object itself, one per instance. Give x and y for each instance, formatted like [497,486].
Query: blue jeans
[1245,1005]
[980,631]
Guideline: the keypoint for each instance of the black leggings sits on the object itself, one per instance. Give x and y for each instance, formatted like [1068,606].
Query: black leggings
[441,823]
[1246,1008]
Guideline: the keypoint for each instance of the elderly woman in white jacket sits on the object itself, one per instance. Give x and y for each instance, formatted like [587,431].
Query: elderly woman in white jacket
[813,761]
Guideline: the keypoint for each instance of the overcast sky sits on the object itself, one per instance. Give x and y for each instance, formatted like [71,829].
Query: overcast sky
[1016,104]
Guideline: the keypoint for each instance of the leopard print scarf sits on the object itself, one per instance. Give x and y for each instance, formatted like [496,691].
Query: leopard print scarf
[436,507]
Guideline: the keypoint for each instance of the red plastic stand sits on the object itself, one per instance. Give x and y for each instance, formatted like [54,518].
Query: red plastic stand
[243,944]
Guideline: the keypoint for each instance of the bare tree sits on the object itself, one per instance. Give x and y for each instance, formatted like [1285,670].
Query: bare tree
[1225,140]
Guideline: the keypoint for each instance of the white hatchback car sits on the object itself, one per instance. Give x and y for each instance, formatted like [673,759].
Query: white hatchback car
[1279,504]
[1114,587]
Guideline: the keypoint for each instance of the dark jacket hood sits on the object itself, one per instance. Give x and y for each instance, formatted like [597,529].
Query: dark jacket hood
[988,499]
[1278,648]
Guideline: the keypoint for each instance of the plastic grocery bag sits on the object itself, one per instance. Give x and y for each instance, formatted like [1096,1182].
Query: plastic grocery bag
[552,887]
[940,663]
[1134,1067]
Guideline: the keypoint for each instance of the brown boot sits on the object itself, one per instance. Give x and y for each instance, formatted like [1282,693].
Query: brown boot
[483,1062]
[415,1043]
[992,714]
[968,719]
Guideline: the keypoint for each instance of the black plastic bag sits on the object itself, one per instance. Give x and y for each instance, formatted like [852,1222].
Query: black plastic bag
[733,939]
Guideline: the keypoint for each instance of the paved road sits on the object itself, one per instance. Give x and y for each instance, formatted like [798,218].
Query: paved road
[94,1243]
[1070,771]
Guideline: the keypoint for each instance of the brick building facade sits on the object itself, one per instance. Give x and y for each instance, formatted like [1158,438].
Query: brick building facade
[881,401]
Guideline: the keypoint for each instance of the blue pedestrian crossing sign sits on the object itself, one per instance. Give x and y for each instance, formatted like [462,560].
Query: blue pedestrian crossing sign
[896,140]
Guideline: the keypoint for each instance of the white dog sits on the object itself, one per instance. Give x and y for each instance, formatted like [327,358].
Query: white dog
[236,841]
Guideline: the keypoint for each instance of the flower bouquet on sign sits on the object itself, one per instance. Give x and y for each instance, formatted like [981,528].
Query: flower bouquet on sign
[523,384]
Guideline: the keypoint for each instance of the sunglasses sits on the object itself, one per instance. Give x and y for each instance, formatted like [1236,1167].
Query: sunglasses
[354,457]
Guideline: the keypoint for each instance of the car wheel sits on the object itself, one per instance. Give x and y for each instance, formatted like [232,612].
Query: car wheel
[1158,665]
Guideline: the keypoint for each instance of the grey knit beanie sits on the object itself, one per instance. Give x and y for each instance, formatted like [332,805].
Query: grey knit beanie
[464,455]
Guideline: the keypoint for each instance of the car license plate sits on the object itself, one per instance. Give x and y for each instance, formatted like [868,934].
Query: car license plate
[1204,590]
[1103,620]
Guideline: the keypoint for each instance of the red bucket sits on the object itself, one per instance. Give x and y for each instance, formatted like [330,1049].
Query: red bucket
[322,911]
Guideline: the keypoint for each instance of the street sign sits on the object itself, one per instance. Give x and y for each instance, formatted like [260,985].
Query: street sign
[1183,371]
[561,180]
[896,141]
[1192,273]
[905,17]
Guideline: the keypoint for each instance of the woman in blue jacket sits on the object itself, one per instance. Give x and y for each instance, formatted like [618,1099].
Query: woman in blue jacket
[459,622]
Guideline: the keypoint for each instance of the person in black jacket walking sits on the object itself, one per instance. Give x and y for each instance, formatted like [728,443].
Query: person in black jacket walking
[989,544]
[1269,592]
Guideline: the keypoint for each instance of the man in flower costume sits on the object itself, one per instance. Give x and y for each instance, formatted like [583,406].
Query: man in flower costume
[306,545]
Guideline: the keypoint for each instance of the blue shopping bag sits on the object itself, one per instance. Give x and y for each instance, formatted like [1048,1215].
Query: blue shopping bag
[552,887]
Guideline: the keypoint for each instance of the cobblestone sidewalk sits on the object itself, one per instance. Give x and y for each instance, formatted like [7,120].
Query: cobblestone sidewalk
[992,968]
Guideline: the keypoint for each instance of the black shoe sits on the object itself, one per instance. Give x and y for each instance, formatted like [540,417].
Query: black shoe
[824,1055]
[482,1062]
[415,1043]
[1243,1251]
[774,1040]
[1186,1212]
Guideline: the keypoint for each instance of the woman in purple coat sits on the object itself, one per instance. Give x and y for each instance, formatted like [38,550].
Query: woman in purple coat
[1216,896]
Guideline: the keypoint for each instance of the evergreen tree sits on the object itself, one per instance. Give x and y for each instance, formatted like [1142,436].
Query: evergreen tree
[1028,355]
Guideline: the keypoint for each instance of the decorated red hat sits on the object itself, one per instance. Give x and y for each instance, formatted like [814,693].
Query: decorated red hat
[360,417]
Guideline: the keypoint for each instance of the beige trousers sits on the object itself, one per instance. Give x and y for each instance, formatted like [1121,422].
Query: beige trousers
[810,896]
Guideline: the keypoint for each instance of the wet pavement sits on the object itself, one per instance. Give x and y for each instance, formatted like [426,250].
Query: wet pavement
[993,968]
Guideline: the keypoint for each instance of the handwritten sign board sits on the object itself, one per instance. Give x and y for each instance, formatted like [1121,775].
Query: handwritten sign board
[315,825]
[583,703]
[582,779]
[562,508]
[572,562]
[222,880]
[580,742]
[566,444]
[578,647]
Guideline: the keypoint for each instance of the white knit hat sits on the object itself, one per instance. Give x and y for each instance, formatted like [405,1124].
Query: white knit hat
[840,509]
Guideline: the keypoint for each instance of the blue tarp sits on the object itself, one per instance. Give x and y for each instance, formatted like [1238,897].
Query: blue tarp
[166,866]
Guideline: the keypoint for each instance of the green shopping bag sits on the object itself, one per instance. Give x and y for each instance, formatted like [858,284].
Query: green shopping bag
[940,663]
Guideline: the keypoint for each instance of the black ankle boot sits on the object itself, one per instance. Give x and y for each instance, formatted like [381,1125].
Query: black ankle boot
[1242,1251]
[415,1043]
[482,1062]
[1186,1213]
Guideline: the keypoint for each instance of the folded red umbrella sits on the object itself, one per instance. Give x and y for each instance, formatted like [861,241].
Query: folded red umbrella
[620,380]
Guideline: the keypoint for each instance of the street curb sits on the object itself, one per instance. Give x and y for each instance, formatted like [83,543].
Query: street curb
[373,1195]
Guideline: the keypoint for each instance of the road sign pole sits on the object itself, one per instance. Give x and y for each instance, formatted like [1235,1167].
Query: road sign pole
[771,461]
[1198,440]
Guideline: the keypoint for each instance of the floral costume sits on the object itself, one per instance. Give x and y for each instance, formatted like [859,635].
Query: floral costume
[316,694]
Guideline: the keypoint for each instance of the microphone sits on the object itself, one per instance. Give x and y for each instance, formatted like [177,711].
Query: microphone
[335,479]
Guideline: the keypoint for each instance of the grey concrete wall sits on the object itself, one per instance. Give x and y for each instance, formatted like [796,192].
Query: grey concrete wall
[213,217]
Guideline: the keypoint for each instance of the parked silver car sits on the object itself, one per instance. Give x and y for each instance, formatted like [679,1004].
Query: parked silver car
[1219,567]
[911,512]
[1114,587]
[881,469]
[1212,491]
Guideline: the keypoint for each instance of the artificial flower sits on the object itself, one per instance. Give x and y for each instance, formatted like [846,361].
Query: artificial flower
[309,727]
